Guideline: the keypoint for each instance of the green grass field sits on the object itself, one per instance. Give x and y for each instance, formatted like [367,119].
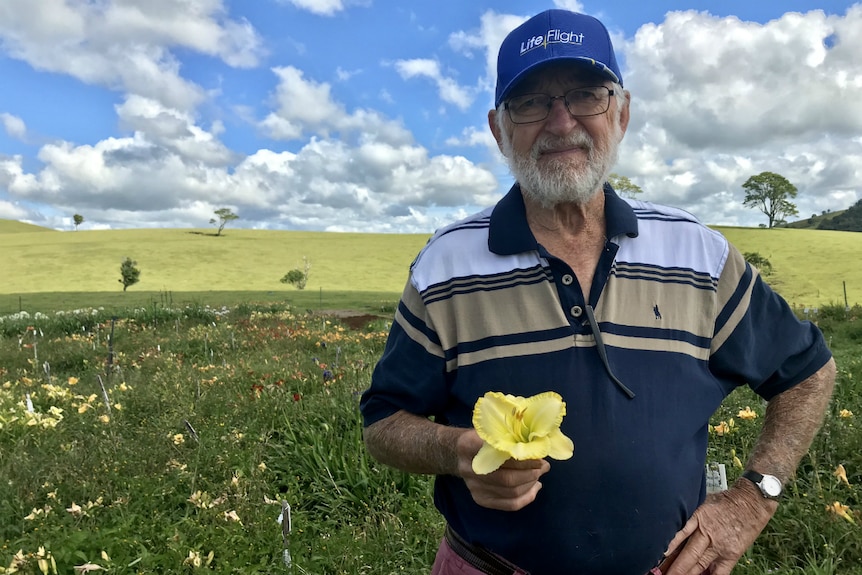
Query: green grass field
[171,449]
[40,270]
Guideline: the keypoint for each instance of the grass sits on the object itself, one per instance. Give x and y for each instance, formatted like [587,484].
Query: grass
[211,417]
[811,267]
[181,260]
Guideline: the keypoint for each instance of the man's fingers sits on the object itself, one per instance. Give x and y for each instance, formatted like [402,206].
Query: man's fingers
[507,502]
[681,535]
[694,558]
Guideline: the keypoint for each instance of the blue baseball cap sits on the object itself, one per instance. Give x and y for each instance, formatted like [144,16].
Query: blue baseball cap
[555,36]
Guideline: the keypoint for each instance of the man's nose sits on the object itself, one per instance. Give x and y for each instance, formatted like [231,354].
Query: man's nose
[559,118]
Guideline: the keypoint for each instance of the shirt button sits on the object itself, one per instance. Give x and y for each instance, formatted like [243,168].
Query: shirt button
[576,311]
[567,280]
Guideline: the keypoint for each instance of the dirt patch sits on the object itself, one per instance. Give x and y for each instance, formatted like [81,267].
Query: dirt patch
[353,319]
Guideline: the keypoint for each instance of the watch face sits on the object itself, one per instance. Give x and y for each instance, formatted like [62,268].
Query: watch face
[771,485]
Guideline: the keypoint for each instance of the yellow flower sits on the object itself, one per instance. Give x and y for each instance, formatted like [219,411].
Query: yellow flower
[841,474]
[87,567]
[722,428]
[104,419]
[747,413]
[736,461]
[178,439]
[519,428]
[841,510]
[232,516]
[73,380]
[194,559]
[845,413]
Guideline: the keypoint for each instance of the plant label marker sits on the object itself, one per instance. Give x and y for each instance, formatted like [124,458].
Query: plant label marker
[716,478]
[286,526]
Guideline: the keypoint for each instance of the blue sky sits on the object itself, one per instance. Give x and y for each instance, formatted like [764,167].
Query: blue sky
[370,115]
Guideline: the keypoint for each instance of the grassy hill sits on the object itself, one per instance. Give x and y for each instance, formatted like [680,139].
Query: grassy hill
[811,223]
[16,227]
[183,261]
[809,266]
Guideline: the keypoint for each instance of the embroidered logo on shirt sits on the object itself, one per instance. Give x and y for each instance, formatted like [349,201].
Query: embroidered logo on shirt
[656,311]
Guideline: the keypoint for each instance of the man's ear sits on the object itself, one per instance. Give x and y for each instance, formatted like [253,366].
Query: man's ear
[625,112]
[495,129]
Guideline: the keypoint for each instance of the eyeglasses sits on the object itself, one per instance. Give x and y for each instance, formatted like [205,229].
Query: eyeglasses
[580,102]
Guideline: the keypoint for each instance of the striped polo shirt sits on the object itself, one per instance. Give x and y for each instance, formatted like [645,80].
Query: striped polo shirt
[682,321]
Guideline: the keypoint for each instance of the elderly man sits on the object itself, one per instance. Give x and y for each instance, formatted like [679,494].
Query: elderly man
[642,319]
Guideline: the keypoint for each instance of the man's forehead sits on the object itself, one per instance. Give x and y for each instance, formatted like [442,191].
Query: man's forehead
[559,73]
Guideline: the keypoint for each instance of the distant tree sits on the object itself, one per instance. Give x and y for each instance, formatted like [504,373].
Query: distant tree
[760,262]
[225,216]
[295,278]
[78,219]
[624,186]
[771,194]
[129,273]
[298,278]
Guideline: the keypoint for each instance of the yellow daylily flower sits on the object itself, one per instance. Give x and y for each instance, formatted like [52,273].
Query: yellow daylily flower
[841,510]
[736,461]
[845,413]
[519,428]
[747,413]
[722,428]
[841,473]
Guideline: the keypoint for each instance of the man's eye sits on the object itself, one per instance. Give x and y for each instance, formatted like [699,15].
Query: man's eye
[581,96]
[530,103]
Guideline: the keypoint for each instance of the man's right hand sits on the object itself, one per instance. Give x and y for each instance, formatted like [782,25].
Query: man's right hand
[511,487]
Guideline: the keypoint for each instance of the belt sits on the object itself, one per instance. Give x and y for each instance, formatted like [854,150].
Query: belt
[479,557]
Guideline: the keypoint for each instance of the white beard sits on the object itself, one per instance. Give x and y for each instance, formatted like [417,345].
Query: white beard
[561,180]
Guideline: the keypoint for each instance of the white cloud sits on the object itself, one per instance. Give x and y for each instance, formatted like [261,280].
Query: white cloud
[572,5]
[447,88]
[13,125]
[303,105]
[716,100]
[11,211]
[126,45]
[321,7]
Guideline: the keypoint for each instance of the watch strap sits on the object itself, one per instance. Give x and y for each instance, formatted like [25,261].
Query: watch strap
[753,476]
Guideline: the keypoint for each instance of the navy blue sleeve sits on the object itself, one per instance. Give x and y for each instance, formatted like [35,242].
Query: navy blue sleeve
[768,347]
[411,373]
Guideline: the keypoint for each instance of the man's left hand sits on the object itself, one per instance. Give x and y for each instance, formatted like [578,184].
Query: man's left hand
[720,530]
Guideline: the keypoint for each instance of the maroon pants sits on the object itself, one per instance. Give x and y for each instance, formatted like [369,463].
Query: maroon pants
[448,562]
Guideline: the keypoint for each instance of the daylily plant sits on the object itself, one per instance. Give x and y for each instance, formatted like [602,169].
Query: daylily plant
[519,428]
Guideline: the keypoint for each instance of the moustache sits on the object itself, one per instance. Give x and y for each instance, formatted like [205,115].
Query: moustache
[552,143]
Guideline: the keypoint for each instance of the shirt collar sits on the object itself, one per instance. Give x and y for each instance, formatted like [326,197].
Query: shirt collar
[510,233]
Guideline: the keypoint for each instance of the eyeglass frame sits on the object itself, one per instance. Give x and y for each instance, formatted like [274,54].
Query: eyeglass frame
[552,99]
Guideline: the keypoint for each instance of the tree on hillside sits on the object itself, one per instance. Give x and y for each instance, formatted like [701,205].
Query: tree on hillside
[298,278]
[848,221]
[624,186]
[129,273]
[225,216]
[771,194]
[78,219]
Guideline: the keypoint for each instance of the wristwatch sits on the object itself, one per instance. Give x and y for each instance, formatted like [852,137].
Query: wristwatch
[769,485]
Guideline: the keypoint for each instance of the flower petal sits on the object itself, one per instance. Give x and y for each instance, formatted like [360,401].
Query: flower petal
[488,459]
[544,413]
[491,418]
[560,447]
